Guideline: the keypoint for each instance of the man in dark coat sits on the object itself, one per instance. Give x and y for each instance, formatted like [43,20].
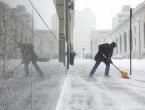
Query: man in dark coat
[28,55]
[107,50]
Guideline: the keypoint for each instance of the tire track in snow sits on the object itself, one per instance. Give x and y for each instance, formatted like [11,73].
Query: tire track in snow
[85,96]
[123,96]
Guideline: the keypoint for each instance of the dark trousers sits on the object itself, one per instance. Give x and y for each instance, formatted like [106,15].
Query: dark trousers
[96,66]
[36,67]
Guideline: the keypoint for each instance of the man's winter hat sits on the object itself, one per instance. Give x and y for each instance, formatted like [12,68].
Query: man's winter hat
[113,44]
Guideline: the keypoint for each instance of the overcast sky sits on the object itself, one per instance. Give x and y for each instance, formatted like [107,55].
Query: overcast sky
[105,9]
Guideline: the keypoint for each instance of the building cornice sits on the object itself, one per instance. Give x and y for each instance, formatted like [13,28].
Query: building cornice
[126,21]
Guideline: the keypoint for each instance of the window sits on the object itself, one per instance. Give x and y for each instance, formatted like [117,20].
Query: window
[134,29]
[125,42]
[143,55]
[131,40]
[120,44]
[144,35]
[120,16]
[119,20]
[117,46]
[104,40]
[135,41]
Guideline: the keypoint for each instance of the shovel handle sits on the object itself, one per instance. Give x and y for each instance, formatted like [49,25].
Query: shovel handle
[20,64]
[117,68]
[110,62]
[16,68]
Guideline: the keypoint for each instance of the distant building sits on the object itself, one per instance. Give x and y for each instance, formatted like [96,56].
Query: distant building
[97,38]
[20,12]
[121,35]
[85,23]
[44,42]
[119,17]
[125,8]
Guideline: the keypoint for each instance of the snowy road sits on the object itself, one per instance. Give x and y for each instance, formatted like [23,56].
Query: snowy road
[100,93]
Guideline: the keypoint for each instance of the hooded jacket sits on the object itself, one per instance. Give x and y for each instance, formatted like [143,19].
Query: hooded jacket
[106,49]
[27,49]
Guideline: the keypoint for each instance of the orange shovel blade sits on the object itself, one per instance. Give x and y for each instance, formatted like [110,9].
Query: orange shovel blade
[8,75]
[125,74]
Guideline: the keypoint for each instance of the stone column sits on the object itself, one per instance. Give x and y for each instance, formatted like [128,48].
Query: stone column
[61,48]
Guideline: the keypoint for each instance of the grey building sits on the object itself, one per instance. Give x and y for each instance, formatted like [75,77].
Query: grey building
[119,17]
[85,24]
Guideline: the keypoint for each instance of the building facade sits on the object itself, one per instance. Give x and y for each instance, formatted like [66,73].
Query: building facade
[99,37]
[85,24]
[65,10]
[121,35]
[119,17]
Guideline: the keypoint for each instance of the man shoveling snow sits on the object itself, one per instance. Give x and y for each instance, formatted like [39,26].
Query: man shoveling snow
[105,50]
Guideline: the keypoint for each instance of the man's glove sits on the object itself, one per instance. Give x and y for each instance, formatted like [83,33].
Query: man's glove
[29,56]
[111,61]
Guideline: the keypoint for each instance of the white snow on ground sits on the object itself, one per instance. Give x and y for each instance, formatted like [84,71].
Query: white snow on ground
[80,92]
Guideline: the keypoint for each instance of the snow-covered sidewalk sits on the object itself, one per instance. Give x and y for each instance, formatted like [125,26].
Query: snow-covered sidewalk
[100,93]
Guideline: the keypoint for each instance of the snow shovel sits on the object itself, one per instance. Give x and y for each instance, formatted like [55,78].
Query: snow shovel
[124,74]
[11,73]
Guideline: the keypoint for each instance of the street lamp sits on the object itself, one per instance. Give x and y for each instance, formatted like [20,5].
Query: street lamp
[83,52]
[139,41]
